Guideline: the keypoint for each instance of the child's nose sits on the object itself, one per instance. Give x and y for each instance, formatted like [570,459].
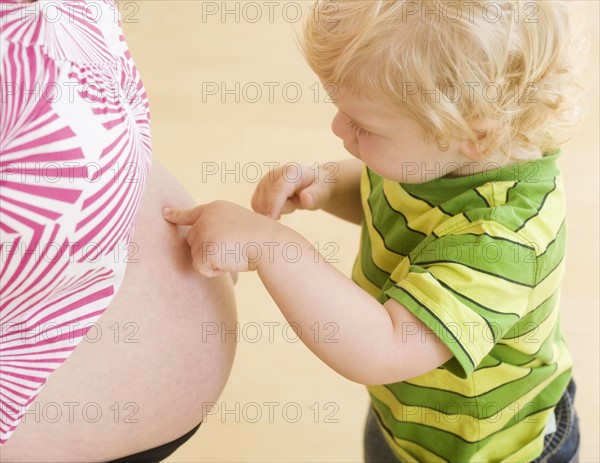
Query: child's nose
[339,126]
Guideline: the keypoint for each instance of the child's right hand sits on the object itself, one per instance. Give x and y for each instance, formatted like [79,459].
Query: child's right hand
[292,187]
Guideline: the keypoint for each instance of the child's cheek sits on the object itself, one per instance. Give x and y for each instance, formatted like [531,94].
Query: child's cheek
[370,155]
[381,158]
[353,149]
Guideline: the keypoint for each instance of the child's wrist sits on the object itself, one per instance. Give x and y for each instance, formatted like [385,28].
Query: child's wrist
[273,244]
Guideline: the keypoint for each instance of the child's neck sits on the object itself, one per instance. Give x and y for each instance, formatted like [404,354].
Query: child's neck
[494,162]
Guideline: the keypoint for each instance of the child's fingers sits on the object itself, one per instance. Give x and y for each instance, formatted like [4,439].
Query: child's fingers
[277,196]
[205,269]
[182,217]
[254,201]
[258,201]
[308,199]
[314,196]
[290,205]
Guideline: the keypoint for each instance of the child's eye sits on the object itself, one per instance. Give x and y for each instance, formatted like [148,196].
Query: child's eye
[357,129]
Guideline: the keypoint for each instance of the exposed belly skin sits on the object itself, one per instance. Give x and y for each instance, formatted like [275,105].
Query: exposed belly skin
[146,366]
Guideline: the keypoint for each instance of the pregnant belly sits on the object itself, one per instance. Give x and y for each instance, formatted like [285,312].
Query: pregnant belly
[148,371]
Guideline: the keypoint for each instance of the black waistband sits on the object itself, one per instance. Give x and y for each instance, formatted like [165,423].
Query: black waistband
[157,454]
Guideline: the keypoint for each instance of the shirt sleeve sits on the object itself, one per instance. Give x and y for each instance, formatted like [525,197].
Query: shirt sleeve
[470,289]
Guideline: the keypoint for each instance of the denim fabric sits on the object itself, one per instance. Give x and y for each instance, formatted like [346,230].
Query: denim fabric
[375,447]
[561,446]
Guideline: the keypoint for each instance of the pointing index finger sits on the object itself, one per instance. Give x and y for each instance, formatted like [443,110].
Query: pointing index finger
[182,217]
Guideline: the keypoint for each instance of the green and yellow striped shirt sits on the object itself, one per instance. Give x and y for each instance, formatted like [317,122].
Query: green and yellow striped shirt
[479,259]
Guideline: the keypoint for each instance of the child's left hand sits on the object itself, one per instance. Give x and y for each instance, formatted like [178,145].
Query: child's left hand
[223,236]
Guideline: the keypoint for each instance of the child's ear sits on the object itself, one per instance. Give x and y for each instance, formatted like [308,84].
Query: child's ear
[482,127]
[470,150]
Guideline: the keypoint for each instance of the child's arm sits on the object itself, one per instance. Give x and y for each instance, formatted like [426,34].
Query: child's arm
[376,344]
[334,187]
[345,198]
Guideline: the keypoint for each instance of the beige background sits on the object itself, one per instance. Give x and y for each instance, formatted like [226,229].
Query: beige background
[282,403]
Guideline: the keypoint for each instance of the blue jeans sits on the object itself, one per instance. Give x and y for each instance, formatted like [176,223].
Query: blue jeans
[561,446]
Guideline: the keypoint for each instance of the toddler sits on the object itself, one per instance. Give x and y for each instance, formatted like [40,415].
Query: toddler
[454,113]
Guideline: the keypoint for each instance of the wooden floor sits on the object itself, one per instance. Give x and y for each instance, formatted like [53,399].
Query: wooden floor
[231,95]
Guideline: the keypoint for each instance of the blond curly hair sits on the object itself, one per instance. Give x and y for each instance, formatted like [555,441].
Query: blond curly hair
[454,62]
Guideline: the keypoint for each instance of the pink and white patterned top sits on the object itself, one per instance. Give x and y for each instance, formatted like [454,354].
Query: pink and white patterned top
[74,158]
